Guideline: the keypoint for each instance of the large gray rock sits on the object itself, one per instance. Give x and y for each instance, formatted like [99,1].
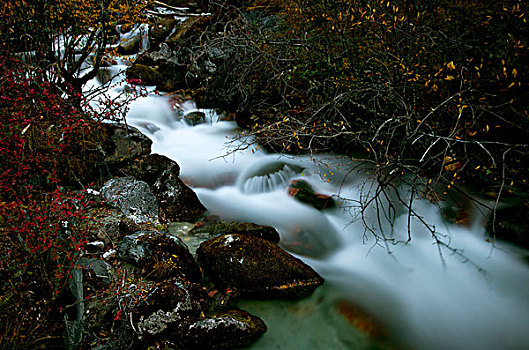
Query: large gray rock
[134,198]
[177,201]
[159,256]
[256,267]
[228,330]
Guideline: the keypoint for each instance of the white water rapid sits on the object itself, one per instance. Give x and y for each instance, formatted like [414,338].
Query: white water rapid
[426,305]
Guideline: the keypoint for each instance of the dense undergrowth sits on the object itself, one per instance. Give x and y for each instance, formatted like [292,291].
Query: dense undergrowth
[438,90]
[44,145]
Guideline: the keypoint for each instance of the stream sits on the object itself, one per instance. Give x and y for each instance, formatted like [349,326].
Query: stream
[426,304]
[425,300]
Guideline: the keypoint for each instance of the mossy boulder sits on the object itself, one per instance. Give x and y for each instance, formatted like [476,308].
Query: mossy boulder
[511,224]
[256,267]
[110,225]
[228,330]
[220,227]
[159,256]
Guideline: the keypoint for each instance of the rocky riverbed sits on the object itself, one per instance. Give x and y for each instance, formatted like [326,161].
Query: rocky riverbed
[161,271]
[138,283]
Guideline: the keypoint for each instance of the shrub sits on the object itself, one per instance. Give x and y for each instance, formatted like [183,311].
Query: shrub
[41,223]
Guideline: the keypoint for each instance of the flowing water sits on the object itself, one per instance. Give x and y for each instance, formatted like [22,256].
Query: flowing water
[425,300]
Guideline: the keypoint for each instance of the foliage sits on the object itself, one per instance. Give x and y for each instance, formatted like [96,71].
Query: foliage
[438,89]
[51,141]
[41,223]
[66,38]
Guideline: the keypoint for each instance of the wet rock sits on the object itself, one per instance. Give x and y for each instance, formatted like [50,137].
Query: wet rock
[228,330]
[159,256]
[150,167]
[308,241]
[177,201]
[112,225]
[217,228]
[166,305]
[103,75]
[124,144]
[97,272]
[161,29]
[511,224]
[147,74]
[134,198]
[195,118]
[256,267]
[173,74]
[130,44]
[302,191]
[94,248]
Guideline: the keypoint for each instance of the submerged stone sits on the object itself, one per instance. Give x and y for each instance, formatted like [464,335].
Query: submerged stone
[256,267]
[195,118]
[302,191]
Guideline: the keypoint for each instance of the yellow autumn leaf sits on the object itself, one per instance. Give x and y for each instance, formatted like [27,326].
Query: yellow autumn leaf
[449,77]
[451,65]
